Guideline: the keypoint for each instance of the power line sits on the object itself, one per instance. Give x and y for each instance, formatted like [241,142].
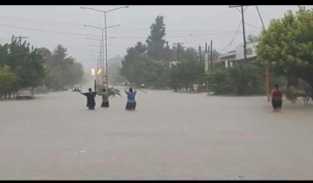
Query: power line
[42,21]
[43,30]
[253,26]
[233,38]
[143,28]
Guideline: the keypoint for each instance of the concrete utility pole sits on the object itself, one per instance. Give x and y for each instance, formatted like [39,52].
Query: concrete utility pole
[244,34]
[104,12]
[211,55]
[268,67]
[200,53]
[243,30]
[177,52]
[206,60]
[244,45]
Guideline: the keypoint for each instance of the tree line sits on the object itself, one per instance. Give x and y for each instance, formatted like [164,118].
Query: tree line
[23,66]
[152,63]
[157,65]
[286,45]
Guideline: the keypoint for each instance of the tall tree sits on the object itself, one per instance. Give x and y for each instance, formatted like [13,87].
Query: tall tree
[288,45]
[26,62]
[156,40]
[62,71]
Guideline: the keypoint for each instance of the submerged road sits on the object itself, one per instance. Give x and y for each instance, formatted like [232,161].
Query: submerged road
[169,136]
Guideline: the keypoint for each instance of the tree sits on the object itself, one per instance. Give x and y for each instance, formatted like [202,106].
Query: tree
[155,41]
[7,81]
[287,44]
[26,63]
[185,74]
[246,80]
[45,54]
[62,71]
[150,64]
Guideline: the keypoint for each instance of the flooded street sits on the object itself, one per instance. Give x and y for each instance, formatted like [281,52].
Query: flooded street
[169,136]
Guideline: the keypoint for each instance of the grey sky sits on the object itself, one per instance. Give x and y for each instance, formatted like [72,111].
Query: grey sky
[47,26]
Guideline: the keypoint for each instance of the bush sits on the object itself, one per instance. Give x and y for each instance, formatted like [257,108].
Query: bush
[245,80]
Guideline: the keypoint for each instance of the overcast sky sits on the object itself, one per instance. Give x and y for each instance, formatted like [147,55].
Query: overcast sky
[47,26]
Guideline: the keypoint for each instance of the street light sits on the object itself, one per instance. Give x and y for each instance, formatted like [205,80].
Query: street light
[105,31]
[101,46]
[103,11]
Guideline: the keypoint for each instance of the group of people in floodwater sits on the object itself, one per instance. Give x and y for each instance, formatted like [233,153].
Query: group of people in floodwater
[131,102]
[91,95]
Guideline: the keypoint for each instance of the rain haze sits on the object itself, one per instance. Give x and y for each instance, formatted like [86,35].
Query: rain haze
[191,25]
[240,109]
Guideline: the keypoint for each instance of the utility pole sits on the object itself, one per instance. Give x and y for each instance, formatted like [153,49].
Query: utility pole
[211,55]
[243,30]
[244,34]
[268,67]
[177,52]
[206,60]
[244,45]
[200,53]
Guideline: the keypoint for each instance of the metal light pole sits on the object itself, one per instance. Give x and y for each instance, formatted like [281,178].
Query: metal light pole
[105,32]
[102,47]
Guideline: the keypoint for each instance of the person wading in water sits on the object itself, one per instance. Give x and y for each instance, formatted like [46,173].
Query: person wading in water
[105,98]
[131,102]
[276,99]
[91,103]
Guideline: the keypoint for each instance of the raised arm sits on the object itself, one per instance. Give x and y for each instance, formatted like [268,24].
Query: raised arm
[82,93]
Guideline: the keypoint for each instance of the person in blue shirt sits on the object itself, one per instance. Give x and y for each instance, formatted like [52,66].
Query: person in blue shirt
[131,102]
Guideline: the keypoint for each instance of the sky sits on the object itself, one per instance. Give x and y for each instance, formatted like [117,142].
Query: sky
[48,26]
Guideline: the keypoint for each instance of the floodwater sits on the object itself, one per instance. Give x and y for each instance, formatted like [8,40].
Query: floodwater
[169,136]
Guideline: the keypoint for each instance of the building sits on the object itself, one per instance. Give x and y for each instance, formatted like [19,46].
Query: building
[232,57]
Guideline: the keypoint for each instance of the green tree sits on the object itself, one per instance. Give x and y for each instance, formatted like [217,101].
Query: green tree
[287,44]
[247,80]
[185,74]
[62,71]
[26,62]
[155,41]
[7,81]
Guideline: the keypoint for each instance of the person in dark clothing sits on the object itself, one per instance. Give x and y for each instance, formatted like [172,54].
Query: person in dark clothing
[91,103]
[276,99]
[131,102]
